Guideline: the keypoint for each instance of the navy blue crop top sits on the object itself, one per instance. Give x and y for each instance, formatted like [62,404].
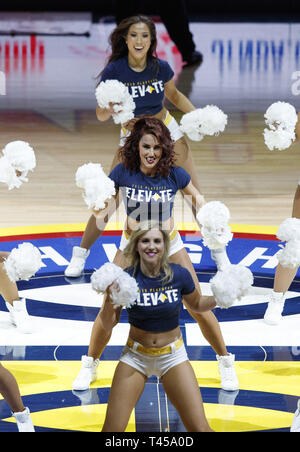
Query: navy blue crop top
[146,87]
[157,308]
[148,197]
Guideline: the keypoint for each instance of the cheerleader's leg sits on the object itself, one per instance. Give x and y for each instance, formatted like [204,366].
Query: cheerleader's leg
[284,277]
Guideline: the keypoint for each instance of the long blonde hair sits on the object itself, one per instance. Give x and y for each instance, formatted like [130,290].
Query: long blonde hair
[133,257]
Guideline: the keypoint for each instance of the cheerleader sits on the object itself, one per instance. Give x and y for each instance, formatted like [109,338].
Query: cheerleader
[155,345]
[146,80]
[285,130]
[17,160]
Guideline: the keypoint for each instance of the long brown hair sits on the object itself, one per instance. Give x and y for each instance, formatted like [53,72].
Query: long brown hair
[117,40]
[129,153]
[133,257]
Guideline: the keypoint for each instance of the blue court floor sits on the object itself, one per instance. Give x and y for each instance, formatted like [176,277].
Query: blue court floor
[63,309]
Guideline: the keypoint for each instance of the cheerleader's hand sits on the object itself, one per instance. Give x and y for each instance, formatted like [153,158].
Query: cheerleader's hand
[98,212]
[113,287]
[129,125]
[113,107]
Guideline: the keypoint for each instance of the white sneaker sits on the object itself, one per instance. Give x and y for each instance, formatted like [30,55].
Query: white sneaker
[77,263]
[274,310]
[87,373]
[19,316]
[296,421]
[229,380]
[24,421]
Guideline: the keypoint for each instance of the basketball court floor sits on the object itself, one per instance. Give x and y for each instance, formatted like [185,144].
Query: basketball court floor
[49,102]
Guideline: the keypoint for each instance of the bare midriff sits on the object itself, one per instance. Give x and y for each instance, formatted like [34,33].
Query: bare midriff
[150,339]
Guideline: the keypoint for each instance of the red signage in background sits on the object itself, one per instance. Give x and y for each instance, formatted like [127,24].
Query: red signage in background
[22,54]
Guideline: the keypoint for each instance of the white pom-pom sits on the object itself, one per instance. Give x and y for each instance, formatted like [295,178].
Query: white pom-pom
[97,193]
[105,276]
[18,156]
[125,290]
[23,262]
[283,114]
[289,255]
[231,285]
[86,172]
[189,124]
[21,156]
[289,230]
[209,120]
[110,91]
[214,217]
[279,139]
[213,214]
[8,174]
[281,117]
[115,92]
[214,120]
[215,239]
[97,186]
[124,112]
[219,255]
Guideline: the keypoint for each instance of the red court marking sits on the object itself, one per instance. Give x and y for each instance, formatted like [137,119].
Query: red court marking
[48,235]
